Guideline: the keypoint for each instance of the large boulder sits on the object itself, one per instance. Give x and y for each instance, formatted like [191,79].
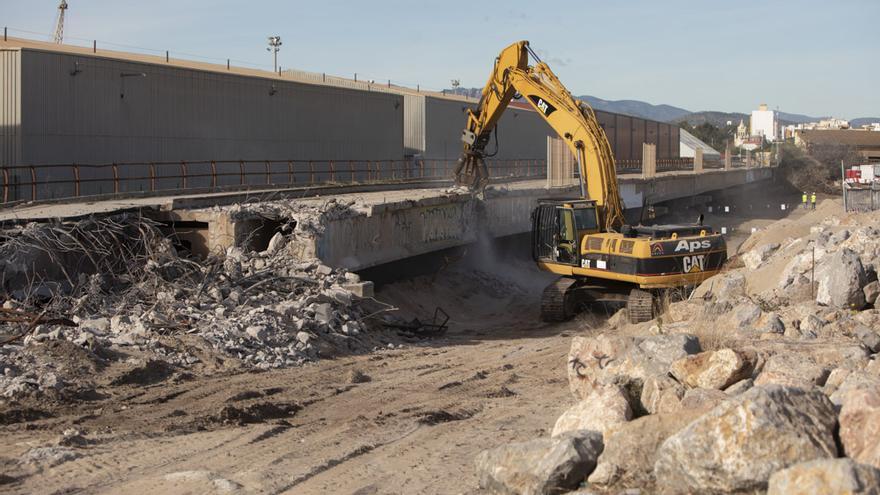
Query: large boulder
[726,286]
[594,362]
[793,370]
[661,394]
[711,369]
[542,466]
[740,443]
[631,451]
[841,278]
[604,408]
[860,425]
[847,381]
[756,257]
[826,476]
[702,399]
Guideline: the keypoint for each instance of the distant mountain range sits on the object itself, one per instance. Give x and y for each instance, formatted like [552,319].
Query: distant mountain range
[669,113]
[636,108]
[863,120]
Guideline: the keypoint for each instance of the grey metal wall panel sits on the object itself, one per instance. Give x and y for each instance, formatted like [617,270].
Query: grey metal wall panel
[10,107]
[675,142]
[444,120]
[663,147]
[172,114]
[623,138]
[522,134]
[638,137]
[414,124]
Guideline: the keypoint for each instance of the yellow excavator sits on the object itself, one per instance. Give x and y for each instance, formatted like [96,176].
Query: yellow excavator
[585,240]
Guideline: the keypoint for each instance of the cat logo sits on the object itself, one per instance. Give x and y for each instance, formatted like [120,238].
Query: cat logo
[691,246]
[693,264]
[542,105]
[656,249]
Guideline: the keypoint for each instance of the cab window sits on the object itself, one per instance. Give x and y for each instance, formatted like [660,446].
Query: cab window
[586,219]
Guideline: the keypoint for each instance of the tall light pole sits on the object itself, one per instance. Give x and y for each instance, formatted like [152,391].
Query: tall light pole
[274,46]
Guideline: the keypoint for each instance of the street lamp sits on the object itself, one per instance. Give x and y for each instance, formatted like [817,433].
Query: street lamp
[274,46]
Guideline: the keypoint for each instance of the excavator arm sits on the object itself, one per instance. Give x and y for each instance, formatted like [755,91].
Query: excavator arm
[572,119]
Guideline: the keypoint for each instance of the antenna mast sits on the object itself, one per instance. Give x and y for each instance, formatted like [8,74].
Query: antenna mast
[59,24]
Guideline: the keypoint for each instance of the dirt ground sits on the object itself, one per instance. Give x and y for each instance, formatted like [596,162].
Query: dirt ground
[405,420]
[402,420]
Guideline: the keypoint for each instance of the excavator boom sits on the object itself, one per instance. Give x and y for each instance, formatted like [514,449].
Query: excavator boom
[572,119]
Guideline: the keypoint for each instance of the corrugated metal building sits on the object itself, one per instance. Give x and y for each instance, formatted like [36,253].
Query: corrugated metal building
[65,104]
[433,124]
[60,105]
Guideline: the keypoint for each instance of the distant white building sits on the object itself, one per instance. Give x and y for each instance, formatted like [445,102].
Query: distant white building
[764,123]
[742,134]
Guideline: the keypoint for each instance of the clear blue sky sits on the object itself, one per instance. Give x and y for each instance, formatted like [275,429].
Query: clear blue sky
[812,57]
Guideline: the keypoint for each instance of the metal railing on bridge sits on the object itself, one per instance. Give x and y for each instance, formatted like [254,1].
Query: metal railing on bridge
[68,181]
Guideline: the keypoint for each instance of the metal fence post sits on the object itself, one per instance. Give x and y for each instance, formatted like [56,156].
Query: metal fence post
[241,172]
[183,172]
[311,172]
[290,177]
[213,174]
[5,185]
[152,177]
[268,174]
[115,178]
[33,183]
[76,190]
[351,168]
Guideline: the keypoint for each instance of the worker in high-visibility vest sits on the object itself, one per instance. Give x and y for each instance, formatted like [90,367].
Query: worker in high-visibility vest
[804,199]
[813,199]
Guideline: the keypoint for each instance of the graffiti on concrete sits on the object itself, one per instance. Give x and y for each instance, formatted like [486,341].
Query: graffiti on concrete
[442,223]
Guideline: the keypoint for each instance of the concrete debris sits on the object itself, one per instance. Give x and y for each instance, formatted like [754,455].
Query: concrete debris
[261,309]
[542,466]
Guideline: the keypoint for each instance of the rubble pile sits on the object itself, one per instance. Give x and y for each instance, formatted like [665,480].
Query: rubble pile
[767,379]
[134,300]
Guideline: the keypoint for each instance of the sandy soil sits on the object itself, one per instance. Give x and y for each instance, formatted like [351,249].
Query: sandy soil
[414,427]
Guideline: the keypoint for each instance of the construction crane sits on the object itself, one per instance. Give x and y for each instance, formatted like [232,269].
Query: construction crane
[59,22]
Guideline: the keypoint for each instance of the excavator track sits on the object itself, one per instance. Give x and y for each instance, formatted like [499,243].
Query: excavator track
[556,301]
[640,306]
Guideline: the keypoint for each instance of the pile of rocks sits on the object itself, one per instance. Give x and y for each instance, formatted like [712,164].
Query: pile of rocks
[758,383]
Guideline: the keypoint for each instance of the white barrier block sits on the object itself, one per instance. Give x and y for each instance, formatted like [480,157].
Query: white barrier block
[723,230]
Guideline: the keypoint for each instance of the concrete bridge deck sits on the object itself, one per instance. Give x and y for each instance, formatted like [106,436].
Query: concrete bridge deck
[385,223]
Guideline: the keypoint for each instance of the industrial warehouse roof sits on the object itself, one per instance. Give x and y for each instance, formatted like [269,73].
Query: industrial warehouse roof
[850,137]
[695,143]
[293,75]
[286,75]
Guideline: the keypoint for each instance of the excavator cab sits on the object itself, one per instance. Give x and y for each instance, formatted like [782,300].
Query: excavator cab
[558,228]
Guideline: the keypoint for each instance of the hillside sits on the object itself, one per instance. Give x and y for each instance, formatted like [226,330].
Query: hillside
[856,123]
[718,119]
[636,108]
